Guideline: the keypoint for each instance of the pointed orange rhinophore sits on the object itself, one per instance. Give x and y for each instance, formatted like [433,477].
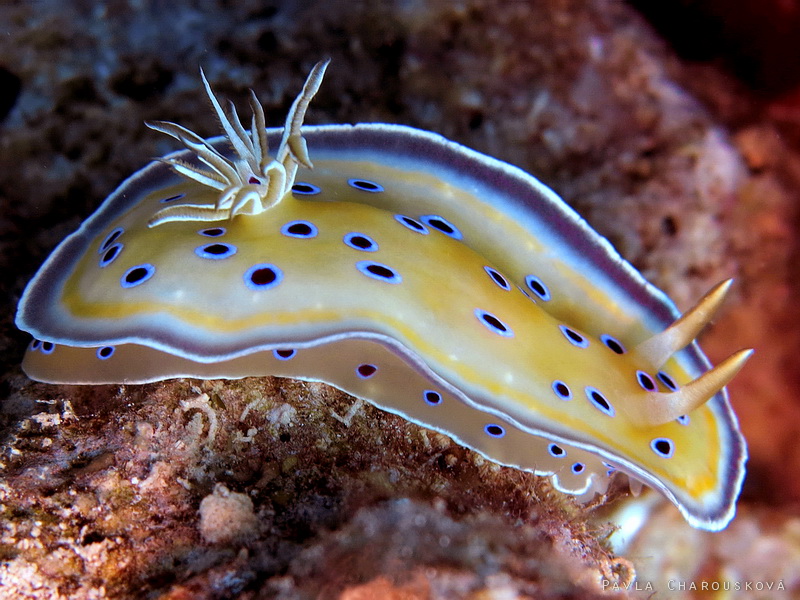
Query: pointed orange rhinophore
[659,348]
[659,409]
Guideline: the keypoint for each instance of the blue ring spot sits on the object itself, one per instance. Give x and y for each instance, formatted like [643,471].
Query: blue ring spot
[599,401]
[262,276]
[365,371]
[286,354]
[493,324]
[538,287]
[303,188]
[365,186]
[360,241]
[215,251]
[496,277]
[213,231]
[110,239]
[663,447]
[110,255]
[439,223]
[556,451]
[171,198]
[47,347]
[562,390]
[35,344]
[378,271]
[668,382]
[574,338]
[412,224]
[432,398]
[578,468]
[495,431]
[613,344]
[105,352]
[646,382]
[137,275]
[683,420]
[300,229]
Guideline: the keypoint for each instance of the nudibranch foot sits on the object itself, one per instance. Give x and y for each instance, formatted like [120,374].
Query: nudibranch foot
[253,181]
[635,486]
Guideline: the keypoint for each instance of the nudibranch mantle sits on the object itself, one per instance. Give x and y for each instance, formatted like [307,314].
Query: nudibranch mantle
[435,282]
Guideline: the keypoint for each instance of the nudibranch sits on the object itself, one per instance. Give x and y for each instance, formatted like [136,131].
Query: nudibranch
[431,280]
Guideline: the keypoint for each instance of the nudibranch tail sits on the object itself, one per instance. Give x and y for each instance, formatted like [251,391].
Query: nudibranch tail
[660,409]
[659,348]
[253,181]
